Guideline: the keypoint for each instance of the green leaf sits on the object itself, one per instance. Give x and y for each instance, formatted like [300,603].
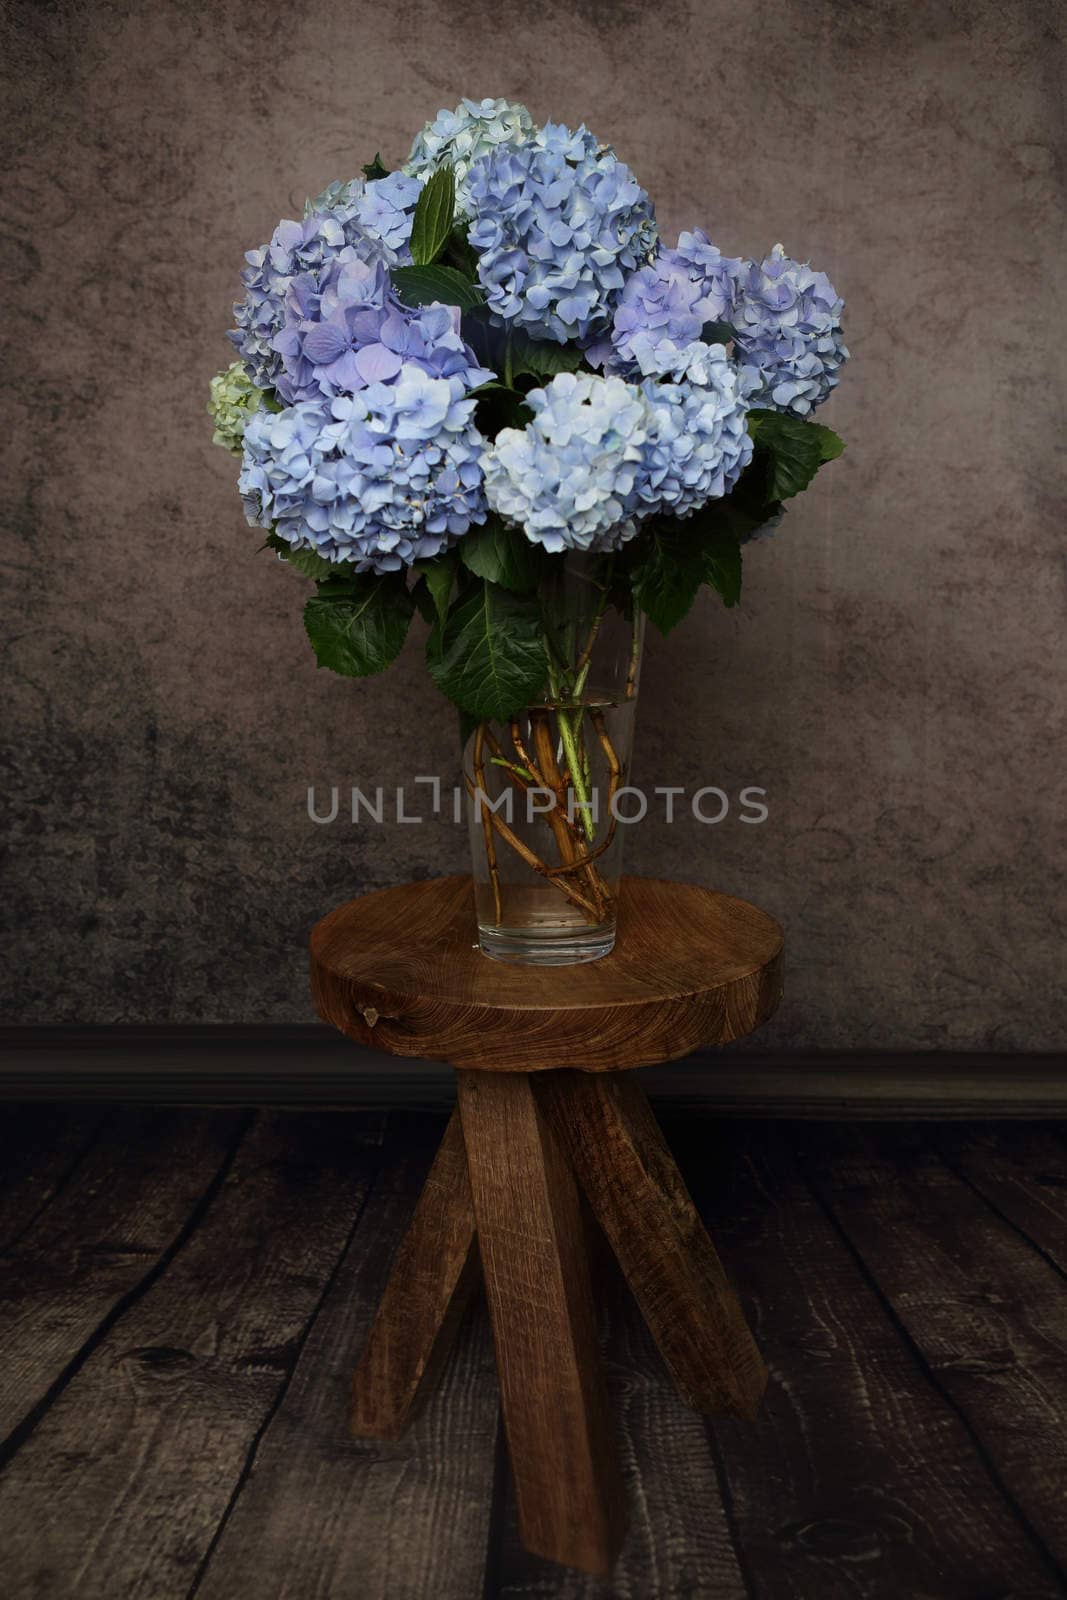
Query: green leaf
[792,450]
[439,576]
[489,656]
[674,559]
[305,561]
[740,514]
[420,286]
[667,573]
[459,252]
[718,332]
[502,555]
[830,443]
[424,602]
[357,625]
[542,359]
[432,222]
[376,168]
[722,568]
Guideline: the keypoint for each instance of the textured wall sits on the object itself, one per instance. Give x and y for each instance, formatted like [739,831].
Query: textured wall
[895,675]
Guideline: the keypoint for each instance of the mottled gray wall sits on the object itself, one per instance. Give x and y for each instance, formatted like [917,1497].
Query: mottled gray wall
[895,674]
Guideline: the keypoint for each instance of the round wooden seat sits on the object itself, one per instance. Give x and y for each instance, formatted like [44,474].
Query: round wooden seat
[401,970]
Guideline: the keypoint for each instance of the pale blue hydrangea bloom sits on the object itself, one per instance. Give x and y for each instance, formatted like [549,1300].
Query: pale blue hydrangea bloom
[698,444]
[788,339]
[234,399]
[378,479]
[370,221]
[569,477]
[457,138]
[345,329]
[673,297]
[559,224]
[696,362]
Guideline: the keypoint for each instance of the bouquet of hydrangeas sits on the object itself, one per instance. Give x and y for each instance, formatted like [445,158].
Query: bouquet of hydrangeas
[454,374]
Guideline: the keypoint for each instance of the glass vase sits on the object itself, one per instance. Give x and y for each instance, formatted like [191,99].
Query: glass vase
[546,825]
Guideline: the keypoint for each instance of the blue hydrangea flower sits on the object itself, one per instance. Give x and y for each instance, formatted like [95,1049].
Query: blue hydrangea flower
[569,478]
[459,137]
[379,479]
[368,221]
[696,362]
[698,444]
[789,339]
[558,225]
[671,298]
[345,329]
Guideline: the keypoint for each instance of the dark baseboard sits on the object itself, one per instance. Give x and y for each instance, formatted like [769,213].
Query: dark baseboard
[312,1065]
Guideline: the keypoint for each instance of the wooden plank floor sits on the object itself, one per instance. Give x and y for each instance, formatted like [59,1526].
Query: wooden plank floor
[183,1293]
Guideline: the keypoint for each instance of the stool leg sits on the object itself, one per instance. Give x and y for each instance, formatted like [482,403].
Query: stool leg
[621,1159]
[567,1480]
[434,1271]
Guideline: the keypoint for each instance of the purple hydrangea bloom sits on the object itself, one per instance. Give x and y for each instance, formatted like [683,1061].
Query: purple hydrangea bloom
[789,340]
[378,479]
[559,223]
[671,298]
[345,329]
[368,221]
[569,477]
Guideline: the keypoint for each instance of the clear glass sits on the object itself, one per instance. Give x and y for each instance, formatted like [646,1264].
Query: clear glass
[546,840]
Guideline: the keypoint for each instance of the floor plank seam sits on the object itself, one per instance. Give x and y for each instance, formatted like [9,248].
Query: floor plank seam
[1038,1543]
[958,1172]
[726,1495]
[22,1431]
[283,1389]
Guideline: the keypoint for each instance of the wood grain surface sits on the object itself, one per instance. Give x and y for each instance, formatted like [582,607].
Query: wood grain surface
[858,1481]
[401,970]
[637,1194]
[435,1270]
[170,1401]
[530,1237]
[907,1447]
[986,1318]
[318,1513]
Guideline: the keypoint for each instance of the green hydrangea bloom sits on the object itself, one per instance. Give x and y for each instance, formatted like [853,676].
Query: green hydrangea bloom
[234,399]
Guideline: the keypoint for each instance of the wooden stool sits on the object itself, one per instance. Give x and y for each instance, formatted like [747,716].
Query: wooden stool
[543,1099]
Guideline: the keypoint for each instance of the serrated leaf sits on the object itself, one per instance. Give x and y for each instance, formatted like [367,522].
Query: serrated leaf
[489,656]
[830,443]
[793,450]
[541,359]
[502,555]
[666,574]
[376,168]
[432,222]
[420,286]
[358,625]
[439,575]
